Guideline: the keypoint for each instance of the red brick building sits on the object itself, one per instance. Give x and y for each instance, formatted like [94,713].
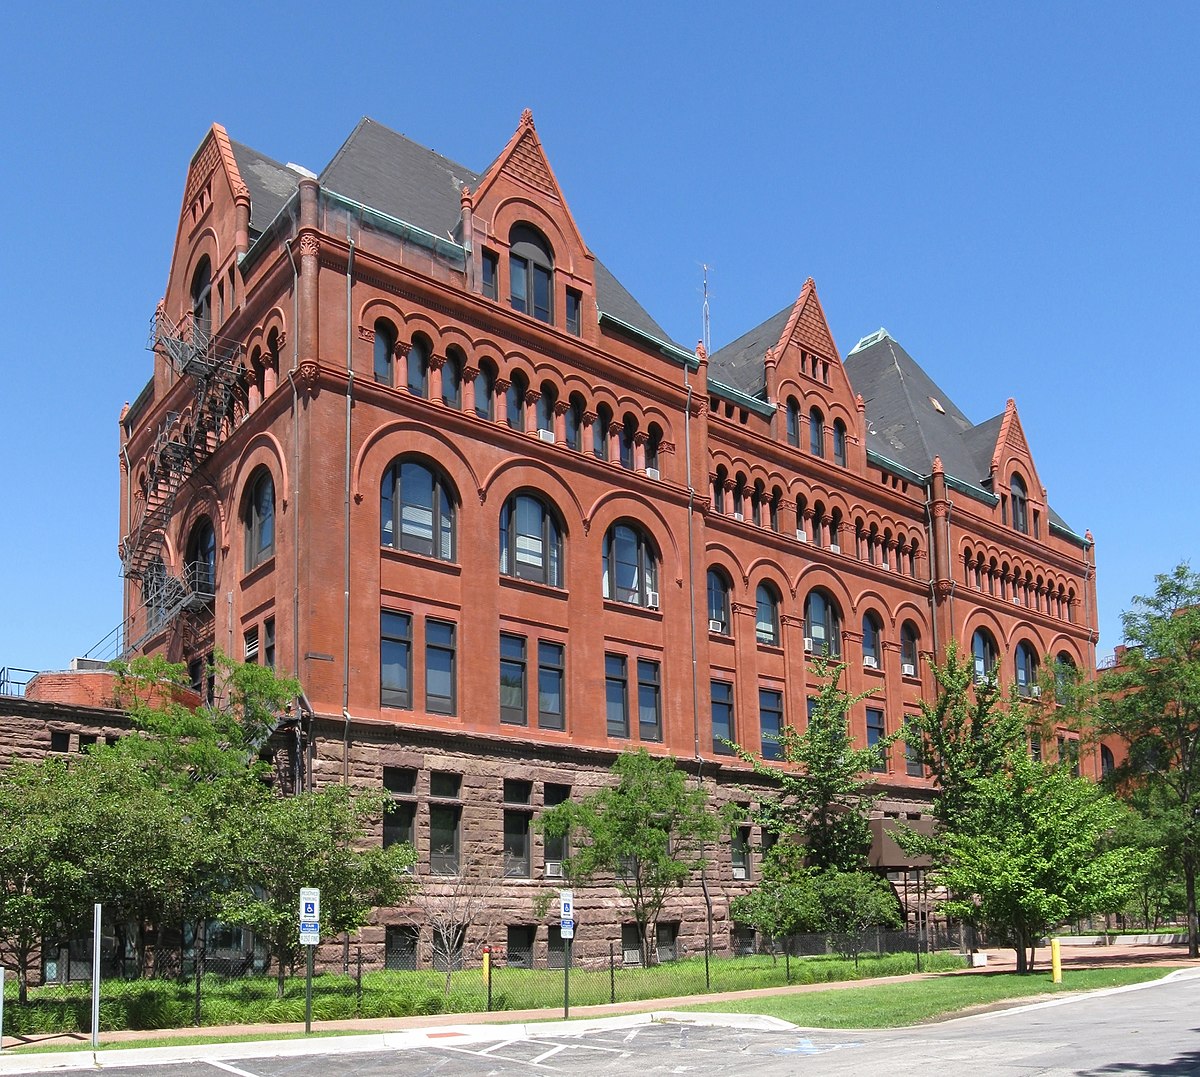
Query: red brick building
[408,439]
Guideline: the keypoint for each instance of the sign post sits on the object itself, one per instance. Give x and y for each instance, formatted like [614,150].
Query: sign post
[566,930]
[1,1007]
[310,936]
[96,976]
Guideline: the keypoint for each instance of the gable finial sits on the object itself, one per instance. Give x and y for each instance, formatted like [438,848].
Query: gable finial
[527,118]
[1011,405]
[937,465]
[862,404]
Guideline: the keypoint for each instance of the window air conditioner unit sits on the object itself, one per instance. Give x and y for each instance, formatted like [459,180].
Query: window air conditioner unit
[652,473]
[739,872]
[834,548]
[652,600]
[808,644]
[739,516]
[1036,691]
[1016,600]
[554,869]
[909,669]
[631,957]
[547,436]
[801,534]
[870,661]
[715,626]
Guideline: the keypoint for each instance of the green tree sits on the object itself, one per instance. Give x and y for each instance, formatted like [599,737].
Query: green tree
[785,901]
[649,831]
[312,839]
[42,889]
[824,797]
[851,903]
[1019,845]
[1151,700]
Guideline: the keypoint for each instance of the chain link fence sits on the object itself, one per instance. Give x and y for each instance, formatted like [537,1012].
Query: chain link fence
[223,989]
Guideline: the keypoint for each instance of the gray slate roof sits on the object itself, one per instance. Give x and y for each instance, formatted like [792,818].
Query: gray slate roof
[740,363]
[389,172]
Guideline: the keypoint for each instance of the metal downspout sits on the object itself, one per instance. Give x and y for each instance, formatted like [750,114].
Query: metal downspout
[346,566]
[932,541]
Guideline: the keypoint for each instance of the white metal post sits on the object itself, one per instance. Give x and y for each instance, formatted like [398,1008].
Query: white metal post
[96,975]
[1,1007]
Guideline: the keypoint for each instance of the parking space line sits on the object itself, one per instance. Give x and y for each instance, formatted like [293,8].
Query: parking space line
[229,1069]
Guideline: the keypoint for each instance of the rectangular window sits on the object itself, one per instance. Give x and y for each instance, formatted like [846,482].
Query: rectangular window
[875,733]
[741,853]
[666,936]
[517,791]
[631,945]
[513,691]
[555,847]
[1035,747]
[399,824]
[268,643]
[250,644]
[616,695]
[400,947]
[395,659]
[551,704]
[60,741]
[519,951]
[913,763]
[441,696]
[491,267]
[574,305]
[444,820]
[516,845]
[518,284]
[543,308]
[556,948]
[87,740]
[721,694]
[770,720]
[400,780]
[649,700]
[444,783]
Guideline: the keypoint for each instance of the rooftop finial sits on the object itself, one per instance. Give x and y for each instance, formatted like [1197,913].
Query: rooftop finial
[527,118]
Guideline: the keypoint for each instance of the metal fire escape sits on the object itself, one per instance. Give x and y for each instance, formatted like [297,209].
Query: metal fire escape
[212,363]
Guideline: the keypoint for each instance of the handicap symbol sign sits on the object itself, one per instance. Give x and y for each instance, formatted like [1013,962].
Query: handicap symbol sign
[310,908]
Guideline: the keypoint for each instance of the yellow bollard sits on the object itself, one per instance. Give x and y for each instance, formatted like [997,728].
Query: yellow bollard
[1056,960]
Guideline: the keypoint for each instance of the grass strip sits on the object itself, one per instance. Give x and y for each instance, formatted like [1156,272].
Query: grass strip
[913,1002]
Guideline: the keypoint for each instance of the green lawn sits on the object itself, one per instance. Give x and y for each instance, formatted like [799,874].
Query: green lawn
[912,1002]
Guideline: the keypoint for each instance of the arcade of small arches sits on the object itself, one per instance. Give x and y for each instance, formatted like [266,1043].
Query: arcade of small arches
[634,440]
[996,576]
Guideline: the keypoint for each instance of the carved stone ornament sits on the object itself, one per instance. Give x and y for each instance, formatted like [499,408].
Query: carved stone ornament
[532,396]
[365,332]
[402,348]
[502,385]
[639,437]
[943,588]
[589,417]
[470,373]
[281,338]
[561,407]
[310,246]
[436,362]
[308,373]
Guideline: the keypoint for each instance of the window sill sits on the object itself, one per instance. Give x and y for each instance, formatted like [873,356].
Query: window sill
[263,569]
[420,560]
[613,606]
[771,648]
[534,587]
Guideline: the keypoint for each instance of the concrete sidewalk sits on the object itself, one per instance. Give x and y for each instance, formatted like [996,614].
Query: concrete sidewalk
[455,1024]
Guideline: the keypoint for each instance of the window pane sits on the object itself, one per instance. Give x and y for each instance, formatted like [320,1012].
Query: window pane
[550,686]
[770,716]
[439,667]
[649,709]
[722,715]
[512,679]
[616,695]
[518,270]
[395,660]
[542,307]
[443,839]
[875,733]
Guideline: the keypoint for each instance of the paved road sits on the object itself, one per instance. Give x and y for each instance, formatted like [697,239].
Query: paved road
[1152,1030]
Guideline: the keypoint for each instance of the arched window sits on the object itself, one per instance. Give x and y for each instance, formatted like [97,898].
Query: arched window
[793,422]
[872,644]
[574,422]
[718,602]
[418,367]
[154,592]
[202,558]
[515,400]
[259,519]
[835,530]
[822,624]
[385,349]
[531,272]
[816,432]
[1026,661]
[756,502]
[630,566]
[909,642]
[653,444]
[202,303]
[628,430]
[485,391]
[776,500]
[416,510]
[1020,505]
[719,481]
[983,649]
[1107,763]
[452,378]
[766,615]
[818,523]
[530,541]
[600,431]
[839,442]
[739,496]
[545,410]
[1065,674]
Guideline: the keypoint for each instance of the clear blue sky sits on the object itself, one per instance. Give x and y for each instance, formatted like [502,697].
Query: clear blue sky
[1013,190]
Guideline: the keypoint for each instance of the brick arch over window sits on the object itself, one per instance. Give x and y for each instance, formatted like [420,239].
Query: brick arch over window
[418,508]
[615,503]
[532,538]
[390,439]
